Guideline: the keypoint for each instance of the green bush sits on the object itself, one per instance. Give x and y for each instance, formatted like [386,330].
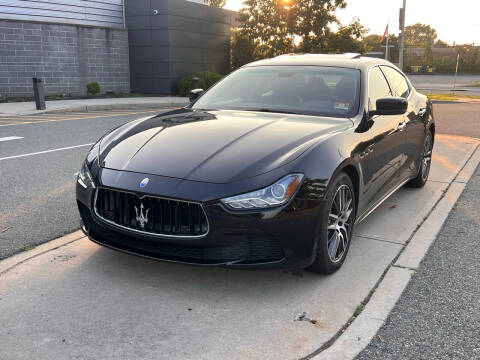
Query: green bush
[210,77]
[93,88]
[207,79]
[185,84]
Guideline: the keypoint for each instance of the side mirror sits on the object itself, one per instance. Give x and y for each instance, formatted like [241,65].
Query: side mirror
[390,106]
[195,94]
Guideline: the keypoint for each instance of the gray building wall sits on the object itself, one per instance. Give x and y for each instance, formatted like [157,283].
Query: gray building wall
[101,13]
[67,57]
[183,38]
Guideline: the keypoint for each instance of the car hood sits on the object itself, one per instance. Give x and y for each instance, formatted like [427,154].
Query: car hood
[213,146]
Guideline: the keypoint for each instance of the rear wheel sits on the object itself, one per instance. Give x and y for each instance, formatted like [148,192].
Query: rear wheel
[336,226]
[425,162]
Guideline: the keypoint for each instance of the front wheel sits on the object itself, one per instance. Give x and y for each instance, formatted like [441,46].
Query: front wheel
[426,160]
[336,226]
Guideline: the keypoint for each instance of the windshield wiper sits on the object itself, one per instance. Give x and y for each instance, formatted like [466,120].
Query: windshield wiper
[274,111]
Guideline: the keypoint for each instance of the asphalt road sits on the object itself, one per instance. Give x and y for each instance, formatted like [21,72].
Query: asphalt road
[444,83]
[37,197]
[437,315]
[458,118]
[37,201]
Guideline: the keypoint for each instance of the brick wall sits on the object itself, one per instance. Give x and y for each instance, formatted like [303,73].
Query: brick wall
[67,57]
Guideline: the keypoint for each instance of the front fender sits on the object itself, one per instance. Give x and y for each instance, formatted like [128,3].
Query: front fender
[323,163]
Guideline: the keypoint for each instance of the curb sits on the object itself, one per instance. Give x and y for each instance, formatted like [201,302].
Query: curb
[180,102]
[360,333]
[457,101]
[85,108]
[12,261]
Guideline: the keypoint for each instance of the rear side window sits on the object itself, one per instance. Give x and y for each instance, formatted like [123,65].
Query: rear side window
[397,82]
[377,87]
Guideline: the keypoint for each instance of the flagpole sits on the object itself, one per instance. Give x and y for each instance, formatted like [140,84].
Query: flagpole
[386,48]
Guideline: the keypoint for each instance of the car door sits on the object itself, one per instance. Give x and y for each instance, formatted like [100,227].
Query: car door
[414,120]
[388,141]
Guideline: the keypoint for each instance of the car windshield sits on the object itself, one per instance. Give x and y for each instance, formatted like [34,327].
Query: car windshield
[308,90]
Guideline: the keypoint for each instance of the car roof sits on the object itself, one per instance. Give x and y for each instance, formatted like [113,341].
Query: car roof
[347,60]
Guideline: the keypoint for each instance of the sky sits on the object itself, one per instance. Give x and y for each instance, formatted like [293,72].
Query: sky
[455,21]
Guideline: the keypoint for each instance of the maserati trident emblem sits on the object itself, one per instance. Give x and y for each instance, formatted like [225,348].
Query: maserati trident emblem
[144,182]
[142,218]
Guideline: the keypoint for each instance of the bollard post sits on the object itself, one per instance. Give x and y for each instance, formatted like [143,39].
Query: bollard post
[195,83]
[39,93]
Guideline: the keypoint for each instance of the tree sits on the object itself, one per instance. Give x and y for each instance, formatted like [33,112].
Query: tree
[217,3]
[372,43]
[347,38]
[420,35]
[469,59]
[284,26]
[312,20]
[441,44]
[243,49]
[265,23]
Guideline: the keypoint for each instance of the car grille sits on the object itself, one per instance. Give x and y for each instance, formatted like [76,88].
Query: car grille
[251,249]
[243,252]
[158,216]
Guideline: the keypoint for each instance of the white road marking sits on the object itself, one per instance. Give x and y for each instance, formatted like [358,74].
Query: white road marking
[8,138]
[45,152]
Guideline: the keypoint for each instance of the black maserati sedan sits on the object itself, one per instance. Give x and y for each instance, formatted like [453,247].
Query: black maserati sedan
[271,167]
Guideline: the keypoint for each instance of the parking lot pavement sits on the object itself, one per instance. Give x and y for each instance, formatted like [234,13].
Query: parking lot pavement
[38,158]
[84,301]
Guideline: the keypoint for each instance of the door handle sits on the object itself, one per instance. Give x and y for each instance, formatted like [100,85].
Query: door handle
[422,112]
[401,126]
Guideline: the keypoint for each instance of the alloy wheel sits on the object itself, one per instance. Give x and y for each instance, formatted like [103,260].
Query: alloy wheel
[427,157]
[340,223]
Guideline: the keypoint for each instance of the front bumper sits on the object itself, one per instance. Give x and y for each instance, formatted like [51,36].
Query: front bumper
[284,237]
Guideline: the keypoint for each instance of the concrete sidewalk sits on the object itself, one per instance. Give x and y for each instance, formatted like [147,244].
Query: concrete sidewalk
[28,108]
[73,299]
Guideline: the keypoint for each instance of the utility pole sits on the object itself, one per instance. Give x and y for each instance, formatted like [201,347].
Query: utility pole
[402,33]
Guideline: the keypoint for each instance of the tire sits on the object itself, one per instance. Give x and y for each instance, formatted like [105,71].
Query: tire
[335,232]
[425,162]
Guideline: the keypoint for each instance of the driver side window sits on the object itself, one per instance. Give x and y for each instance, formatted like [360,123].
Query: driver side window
[397,82]
[377,87]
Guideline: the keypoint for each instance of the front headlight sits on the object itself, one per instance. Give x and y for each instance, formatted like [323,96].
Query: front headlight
[84,177]
[271,196]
